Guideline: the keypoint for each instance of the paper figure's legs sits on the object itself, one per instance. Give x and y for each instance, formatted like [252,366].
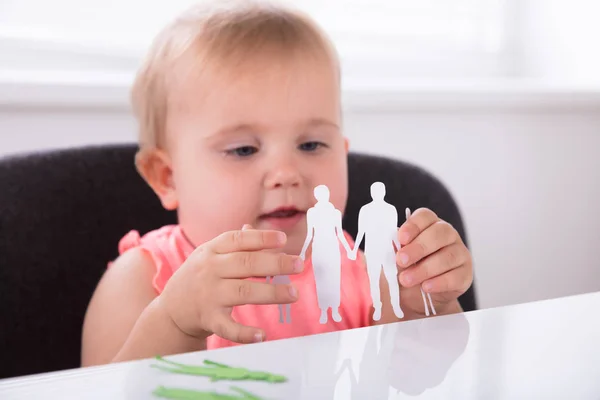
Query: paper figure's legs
[288,313]
[323,318]
[374,271]
[391,274]
[280,313]
[327,281]
[425,302]
[431,303]
[335,314]
[322,301]
[336,300]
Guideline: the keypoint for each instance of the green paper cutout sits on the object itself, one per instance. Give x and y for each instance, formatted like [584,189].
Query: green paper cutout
[218,372]
[188,394]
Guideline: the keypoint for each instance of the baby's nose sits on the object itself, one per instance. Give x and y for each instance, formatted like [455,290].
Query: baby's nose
[285,175]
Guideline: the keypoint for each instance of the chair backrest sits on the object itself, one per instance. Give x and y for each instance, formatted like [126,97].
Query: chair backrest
[62,213]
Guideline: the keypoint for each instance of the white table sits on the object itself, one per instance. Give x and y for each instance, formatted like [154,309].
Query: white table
[542,350]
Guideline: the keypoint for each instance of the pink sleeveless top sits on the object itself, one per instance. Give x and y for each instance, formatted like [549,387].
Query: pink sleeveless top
[169,248]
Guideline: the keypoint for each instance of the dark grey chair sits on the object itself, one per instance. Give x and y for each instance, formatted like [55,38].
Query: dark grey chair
[62,213]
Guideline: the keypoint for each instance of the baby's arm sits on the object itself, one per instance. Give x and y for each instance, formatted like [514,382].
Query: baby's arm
[125,319]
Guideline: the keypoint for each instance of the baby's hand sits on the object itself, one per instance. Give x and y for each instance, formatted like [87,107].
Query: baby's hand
[200,296]
[434,257]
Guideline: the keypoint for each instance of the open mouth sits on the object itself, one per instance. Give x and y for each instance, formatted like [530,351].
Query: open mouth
[287,212]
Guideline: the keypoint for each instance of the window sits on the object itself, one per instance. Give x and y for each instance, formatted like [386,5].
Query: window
[383,39]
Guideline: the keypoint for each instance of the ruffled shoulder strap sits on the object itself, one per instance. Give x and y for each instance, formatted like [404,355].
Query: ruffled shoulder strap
[161,246]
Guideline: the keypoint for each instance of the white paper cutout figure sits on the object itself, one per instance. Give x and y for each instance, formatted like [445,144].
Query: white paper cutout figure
[282,280]
[422,292]
[378,223]
[326,222]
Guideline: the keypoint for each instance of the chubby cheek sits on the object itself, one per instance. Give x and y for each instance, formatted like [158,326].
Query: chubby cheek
[295,239]
[335,176]
[211,204]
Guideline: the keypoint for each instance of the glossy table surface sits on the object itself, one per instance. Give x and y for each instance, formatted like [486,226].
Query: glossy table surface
[543,350]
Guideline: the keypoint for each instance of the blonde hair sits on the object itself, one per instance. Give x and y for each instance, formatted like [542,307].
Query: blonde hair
[223,31]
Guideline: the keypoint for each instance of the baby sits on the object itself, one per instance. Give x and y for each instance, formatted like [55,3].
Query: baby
[239,114]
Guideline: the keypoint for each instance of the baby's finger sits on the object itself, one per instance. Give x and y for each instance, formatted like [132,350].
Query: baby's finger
[225,327]
[236,292]
[247,240]
[436,236]
[456,281]
[258,264]
[442,261]
[420,220]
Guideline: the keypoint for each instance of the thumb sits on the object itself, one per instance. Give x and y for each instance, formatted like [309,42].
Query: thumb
[246,227]
[224,326]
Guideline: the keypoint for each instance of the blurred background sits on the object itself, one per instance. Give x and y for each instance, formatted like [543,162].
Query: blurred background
[500,99]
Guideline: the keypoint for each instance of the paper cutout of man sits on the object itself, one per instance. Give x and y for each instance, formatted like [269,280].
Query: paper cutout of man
[378,224]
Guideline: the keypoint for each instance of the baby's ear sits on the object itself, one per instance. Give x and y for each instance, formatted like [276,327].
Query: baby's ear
[154,165]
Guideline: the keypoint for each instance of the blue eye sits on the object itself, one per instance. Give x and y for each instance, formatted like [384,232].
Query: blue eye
[243,151]
[311,146]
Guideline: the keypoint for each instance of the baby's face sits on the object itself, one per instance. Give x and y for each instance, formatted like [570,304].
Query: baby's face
[249,148]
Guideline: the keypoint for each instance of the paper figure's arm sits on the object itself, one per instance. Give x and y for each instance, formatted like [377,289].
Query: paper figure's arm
[395,231]
[340,232]
[309,233]
[361,229]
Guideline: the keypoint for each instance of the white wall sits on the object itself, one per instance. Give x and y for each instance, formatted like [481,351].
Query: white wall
[23,130]
[527,185]
[558,39]
[522,164]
